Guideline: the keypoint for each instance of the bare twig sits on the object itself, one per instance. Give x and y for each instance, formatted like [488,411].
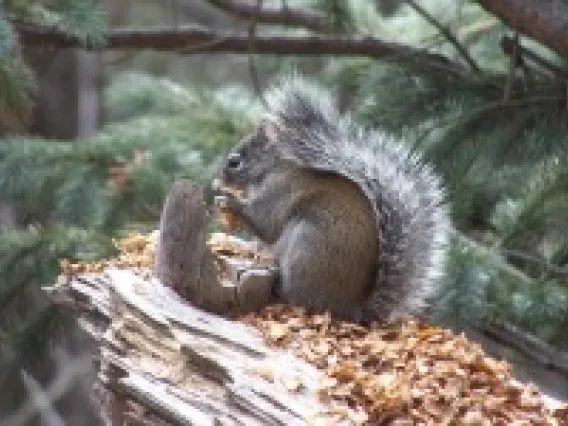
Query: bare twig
[513,63]
[175,12]
[252,66]
[508,46]
[43,402]
[445,31]
[45,397]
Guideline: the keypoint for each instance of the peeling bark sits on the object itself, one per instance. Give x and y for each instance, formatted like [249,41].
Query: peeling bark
[161,357]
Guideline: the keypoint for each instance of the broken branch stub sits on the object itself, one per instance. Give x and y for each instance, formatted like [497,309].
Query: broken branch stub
[184,262]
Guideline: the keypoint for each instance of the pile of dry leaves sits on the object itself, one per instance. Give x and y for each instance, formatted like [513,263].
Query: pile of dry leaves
[405,375]
[400,375]
[136,251]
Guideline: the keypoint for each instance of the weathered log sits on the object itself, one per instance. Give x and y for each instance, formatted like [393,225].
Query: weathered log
[183,365]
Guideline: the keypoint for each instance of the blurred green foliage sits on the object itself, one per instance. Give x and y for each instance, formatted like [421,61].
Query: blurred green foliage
[504,161]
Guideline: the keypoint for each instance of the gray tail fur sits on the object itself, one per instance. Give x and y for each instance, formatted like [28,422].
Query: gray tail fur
[406,194]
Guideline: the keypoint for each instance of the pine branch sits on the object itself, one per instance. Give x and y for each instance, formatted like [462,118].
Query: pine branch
[544,20]
[200,40]
[284,15]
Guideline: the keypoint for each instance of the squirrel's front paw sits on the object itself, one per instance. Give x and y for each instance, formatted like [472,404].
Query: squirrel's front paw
[229,202]
[230,208]
[229,198]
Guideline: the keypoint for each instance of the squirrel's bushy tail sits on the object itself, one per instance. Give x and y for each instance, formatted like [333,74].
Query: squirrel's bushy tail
[407,196]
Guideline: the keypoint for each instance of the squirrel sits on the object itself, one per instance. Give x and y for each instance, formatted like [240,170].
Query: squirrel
[357,223]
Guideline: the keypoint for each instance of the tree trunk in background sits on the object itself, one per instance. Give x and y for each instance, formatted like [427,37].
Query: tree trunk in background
[89,90]
[68,95]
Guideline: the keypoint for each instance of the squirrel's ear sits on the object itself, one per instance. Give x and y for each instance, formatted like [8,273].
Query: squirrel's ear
[270,131]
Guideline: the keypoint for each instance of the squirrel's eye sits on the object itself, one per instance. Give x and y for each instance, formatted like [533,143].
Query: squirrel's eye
[234,161]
